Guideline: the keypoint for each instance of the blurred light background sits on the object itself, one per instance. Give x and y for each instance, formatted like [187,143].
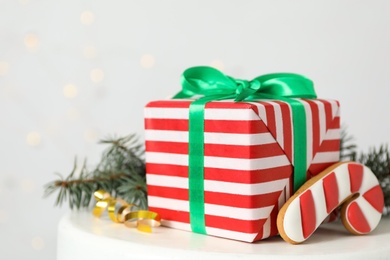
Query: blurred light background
[73,72]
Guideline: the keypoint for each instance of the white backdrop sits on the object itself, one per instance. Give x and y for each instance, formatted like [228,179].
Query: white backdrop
[73,72]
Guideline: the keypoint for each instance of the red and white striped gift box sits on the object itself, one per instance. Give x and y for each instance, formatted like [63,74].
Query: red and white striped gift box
[248,155]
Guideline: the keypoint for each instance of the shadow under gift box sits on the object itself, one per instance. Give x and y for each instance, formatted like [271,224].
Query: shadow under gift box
[248,161]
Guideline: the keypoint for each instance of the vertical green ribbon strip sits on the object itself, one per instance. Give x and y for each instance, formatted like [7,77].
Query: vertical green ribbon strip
[212,84]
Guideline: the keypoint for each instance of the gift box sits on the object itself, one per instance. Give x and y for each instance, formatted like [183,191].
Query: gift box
[223,167]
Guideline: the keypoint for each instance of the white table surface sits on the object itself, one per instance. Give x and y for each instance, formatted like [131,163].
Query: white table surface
[83,236]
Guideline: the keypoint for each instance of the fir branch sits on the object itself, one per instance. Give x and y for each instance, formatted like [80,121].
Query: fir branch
[121,171]
[347,146]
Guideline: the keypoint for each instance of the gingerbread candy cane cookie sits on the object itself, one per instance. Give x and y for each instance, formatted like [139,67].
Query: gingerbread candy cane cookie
[349,184]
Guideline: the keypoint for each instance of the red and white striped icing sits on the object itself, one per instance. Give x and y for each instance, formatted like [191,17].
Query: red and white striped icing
[247,165]
[350,183]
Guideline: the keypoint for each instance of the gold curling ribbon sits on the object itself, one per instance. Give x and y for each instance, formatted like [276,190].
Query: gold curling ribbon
[144,220]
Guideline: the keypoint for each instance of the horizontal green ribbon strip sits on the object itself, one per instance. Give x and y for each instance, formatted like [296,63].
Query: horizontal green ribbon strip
[212,84]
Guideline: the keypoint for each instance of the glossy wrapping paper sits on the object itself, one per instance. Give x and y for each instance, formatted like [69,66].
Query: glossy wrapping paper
[248,162]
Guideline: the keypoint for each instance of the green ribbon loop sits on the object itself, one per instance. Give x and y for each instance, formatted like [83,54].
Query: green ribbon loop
[211,84]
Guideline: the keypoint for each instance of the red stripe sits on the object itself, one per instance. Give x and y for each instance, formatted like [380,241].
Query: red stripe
[218,150]
[170,103]
[259,235]
[331,191]
[316,126]
[245,152]
[228,175]
[308,213]
[235,126]
[287,128]
[166,147]
[336,123]
[244,226]
[168,192]
[316,168]
[167,169]
[230,105]
[175,215]
[255,176]
[355,176]
[239,225]
[271,124]
[357,219]
[330,146]
[211,126]
[241,201]
[273,218]
[328,113]
[166,124]
[374,196]
[218,198]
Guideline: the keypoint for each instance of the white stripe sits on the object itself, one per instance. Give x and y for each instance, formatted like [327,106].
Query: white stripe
[175,224]
[219,186]
[166,158]
[166,113]
[309,133]
[167,181]
[282,198]
[369,180]
[333,134]
[239,139]
[324,157]
[278,123]
[244,188]
[209,113]
[335,108]
[166,136]
[319,202]
[220,162]
[267,228]
[248,237]
[343,181]
[212,209]
[322,119]
[210,138]
[288,191]
[172,204]
[292,221]
[370,213]
[246,164]
[237,213]
[262,111]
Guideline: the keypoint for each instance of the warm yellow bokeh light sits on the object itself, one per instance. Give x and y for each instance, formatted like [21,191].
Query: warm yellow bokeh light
[27,185]
[31,41]
[33,138]
[24,2]
[147,61]
[90,135]
[87,17]
[89,52]
[217,64]
[70,91]
[97,75]
[73,114]
[37,243]
[4,216]
[4,67]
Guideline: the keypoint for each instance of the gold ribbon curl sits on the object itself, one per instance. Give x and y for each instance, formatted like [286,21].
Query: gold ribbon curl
[144,220]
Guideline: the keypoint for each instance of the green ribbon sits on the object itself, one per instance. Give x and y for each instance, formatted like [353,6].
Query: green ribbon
[212,84]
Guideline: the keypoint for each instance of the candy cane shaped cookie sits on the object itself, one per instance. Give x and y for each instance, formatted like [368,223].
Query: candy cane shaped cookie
[349,184]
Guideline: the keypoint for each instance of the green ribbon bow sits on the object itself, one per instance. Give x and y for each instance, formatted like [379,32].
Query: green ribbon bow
[212,84]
